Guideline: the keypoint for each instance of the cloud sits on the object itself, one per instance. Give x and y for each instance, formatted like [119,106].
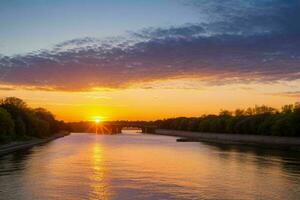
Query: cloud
[294,94]
[239,42]
[249,16]
[4,88]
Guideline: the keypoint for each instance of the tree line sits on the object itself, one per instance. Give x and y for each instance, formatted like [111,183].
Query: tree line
[260,120]
[19,122]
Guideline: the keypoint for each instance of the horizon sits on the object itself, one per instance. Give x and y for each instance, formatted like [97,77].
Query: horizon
[120,61]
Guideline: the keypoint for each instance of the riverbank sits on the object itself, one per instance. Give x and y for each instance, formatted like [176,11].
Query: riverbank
[269,141]
[15,146]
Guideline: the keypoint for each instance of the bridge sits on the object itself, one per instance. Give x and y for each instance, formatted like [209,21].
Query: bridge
[116,128]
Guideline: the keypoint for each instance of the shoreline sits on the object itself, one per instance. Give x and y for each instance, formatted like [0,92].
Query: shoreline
[16,146]
[224,138]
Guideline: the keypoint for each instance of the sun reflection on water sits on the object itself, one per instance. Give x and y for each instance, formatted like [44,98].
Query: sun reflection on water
[99,190]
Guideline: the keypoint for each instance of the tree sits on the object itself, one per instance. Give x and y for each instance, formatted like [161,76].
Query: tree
[239,112]
[287,108]
[17,108]
[47,116]
[6,126]
[295,120]
[30,122]
[263,110]
[225,113]
[20,128]
[13,101]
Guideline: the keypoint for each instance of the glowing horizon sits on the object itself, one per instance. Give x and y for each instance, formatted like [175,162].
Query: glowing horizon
[159,103]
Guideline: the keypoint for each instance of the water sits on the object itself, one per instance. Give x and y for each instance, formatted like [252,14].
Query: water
[137,166]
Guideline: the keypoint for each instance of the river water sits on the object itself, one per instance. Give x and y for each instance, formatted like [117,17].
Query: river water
[137,166]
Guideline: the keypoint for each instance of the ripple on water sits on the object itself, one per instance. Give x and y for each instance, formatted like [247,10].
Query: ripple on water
[86,166]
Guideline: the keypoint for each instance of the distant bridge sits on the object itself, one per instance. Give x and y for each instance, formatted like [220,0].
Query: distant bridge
[116,128]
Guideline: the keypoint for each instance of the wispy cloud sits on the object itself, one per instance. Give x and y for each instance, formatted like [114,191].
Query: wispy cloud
[4,88]
[242,41]
[294,94]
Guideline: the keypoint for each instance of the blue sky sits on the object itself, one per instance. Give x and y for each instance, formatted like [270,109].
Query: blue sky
[52,44]
[37,24]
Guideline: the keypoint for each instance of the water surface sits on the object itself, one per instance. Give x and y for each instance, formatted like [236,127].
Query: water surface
[137,166]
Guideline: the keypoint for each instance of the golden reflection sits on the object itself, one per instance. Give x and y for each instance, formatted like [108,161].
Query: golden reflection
[99,190]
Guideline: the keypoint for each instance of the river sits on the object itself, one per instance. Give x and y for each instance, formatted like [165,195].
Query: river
[138,166]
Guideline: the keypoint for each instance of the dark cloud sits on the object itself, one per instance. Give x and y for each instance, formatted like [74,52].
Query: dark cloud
[244,41]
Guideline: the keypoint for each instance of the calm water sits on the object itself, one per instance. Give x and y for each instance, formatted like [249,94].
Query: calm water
[136,166]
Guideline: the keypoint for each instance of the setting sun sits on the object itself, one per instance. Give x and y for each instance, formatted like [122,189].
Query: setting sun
[98,119]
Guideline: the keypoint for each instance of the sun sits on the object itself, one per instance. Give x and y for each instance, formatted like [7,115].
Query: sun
[98,119]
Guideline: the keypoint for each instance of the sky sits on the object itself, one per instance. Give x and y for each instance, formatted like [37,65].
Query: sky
[145,60]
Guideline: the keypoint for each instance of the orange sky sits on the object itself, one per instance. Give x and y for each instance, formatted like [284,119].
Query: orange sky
[162,99]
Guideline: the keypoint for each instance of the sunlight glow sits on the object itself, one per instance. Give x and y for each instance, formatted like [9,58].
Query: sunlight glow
[98,119]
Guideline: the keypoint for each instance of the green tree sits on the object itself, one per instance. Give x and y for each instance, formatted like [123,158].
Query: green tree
[6,126]
[30,122]
[17,109]
[48,117]
[20,128]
